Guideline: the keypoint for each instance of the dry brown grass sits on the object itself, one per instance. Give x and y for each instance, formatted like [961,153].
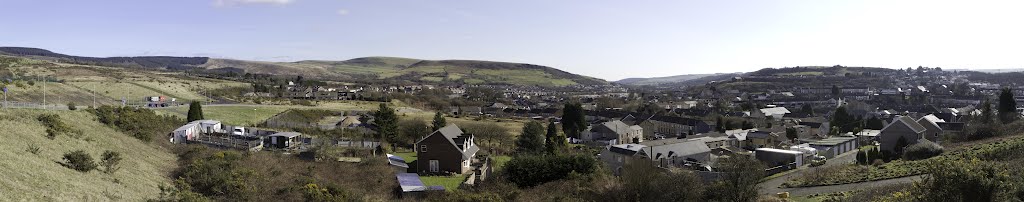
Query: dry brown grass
[38,177]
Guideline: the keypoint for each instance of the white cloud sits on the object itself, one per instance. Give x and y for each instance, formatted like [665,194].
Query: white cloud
[240,2]
[342,12]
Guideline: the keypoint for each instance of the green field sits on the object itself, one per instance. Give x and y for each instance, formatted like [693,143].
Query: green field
[38,177]
[450,183]
[231,115]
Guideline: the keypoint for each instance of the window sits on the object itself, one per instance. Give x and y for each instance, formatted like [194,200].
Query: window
[423,148]
[434,166]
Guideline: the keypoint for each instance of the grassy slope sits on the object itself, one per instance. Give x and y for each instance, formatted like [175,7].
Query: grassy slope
[248,115]
[35,177]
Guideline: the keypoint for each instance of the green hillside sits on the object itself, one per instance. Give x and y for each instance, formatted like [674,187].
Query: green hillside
[414,70]
[38,176]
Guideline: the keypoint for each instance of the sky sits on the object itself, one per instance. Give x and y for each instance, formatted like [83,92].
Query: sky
[611,40]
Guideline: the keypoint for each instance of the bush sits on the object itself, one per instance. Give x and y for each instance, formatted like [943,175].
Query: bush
[140,123]
[922,150]
[54,126]
[862,157]
[32,148]
[528,171]
[79,160]
[110,161]
[72,107]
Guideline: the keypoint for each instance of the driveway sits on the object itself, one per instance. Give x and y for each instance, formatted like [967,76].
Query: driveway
[772,186]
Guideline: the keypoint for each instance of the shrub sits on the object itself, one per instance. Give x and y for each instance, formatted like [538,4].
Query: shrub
[32,148]
[79,160]
[528,171]
[862,157]
[313,192]
[922,150]
[54,126]
[72,107]
[140,123]
[110,161]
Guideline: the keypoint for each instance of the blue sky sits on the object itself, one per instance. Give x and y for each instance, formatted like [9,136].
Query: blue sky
[605,39]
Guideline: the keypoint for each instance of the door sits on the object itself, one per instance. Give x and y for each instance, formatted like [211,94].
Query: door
[434,166]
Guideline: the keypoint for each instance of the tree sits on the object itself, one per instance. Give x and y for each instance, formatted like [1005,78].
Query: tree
[573,120]
[719,125]
[739,177]
[1007,106]
[79,160]
[490,136]
[791,133]
[195,111]
[439,121]
[986,112]
[807,109]
[532,138]
[110,161]
[900,145]
[387,123]
[411,130]
[555,143]
[835,91]
[532,170]
[875,123]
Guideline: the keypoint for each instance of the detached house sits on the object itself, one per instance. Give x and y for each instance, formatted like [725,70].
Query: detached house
[932,128]
[447,150]
[615,132]
[902,127]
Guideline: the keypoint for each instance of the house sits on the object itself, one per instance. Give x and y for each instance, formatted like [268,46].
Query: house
[447,150]
[932,129]
[616,132]
[814,126]
[617,156]
[763,139]
[901,127]
[775,112]
[284,139]
[834,146]
[669,126]
[675,152]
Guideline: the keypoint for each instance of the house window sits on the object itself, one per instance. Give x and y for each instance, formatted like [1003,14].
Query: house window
[434,166]
[423,148]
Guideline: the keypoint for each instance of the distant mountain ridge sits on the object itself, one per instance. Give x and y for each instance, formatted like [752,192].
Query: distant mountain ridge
[668,79]
[370,69]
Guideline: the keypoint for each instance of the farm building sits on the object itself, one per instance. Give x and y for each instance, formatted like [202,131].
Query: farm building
[834,146]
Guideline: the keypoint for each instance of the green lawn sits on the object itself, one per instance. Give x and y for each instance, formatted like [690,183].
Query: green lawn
[499,161]
[408,156]
[450,183]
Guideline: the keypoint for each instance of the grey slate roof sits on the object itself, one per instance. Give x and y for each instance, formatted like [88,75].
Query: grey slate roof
[909,122]
[618,126]
[673,147]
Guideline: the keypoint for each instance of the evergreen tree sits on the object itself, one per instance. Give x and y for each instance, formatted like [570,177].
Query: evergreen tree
[1007,106]
[439,121]
[719,125]
[835,91]
[791,133]
[532,138]
[986,111]
[387,123]
[555,143]
[573,120]
[195,111]
[875,123]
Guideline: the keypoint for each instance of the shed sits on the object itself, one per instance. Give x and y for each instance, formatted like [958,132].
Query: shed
[834,146]
[284,139]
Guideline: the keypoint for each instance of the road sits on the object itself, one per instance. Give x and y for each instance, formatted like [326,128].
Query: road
[771,187]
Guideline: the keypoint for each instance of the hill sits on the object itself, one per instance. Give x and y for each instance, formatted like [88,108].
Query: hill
[38,176]
[663,80]
[367,69]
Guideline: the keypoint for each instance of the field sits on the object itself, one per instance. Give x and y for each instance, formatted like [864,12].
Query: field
[38,177]
[247,115]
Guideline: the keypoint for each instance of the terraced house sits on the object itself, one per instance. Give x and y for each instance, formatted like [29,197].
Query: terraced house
[669,126]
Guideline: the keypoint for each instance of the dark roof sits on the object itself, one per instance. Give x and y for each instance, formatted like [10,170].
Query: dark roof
[759,134]
[456,137]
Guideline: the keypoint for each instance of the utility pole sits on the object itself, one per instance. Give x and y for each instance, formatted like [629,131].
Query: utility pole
[94,95]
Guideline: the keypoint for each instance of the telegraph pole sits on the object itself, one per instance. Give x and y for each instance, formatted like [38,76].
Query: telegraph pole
[94,95]
[44,92]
